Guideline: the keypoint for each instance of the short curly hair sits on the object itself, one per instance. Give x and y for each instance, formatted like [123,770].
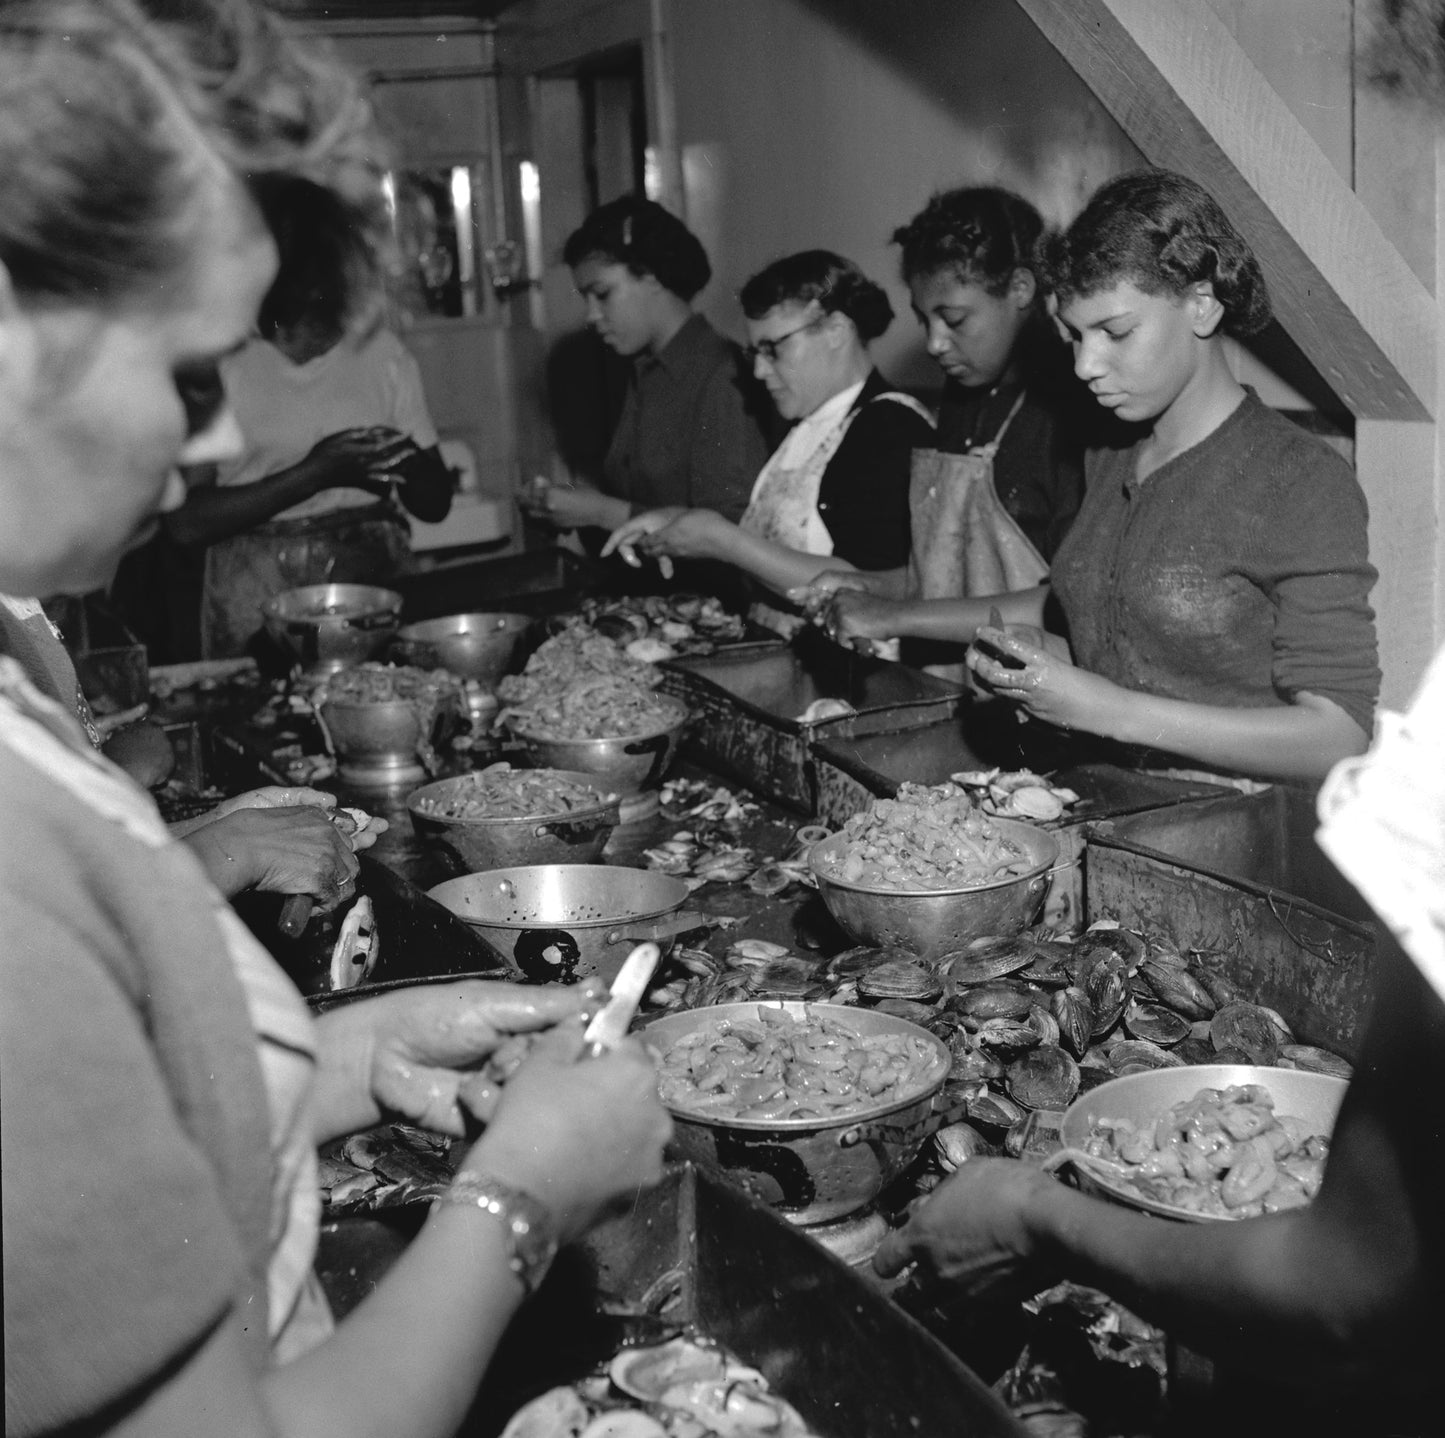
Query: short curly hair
[116,117]
[647,239]
[836,285]
[1163,233]
[981,234]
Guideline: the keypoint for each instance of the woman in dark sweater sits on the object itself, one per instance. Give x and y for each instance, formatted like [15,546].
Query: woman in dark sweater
[834,494]
[1216,581]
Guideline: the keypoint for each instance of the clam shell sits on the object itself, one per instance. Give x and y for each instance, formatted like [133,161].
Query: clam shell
[1247,1027]
[1195,1051]
[1107,990]
[1045,1077]
[853,963]
[1155,1023]
[900,979]
[1316,1061]
[915,1013]
[994,1001]
[1091,1076]
[1125,943]
[959,1142]
[1075,1016]
[975,1066]
[994,1110]
[1044,1024]
[1176,988]
[1222,989]
[559,1410]
[1049,965]
[647,1373]
[986,959]
[1136,1054]
[1231,1055]
[1008,1036]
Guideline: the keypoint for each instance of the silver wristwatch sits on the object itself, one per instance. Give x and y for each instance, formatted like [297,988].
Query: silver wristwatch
[531,1233]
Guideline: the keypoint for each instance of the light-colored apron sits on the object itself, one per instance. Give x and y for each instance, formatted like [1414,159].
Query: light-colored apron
[784,505]
[965,543]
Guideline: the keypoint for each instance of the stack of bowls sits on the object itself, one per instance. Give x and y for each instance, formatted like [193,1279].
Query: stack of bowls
[625,763]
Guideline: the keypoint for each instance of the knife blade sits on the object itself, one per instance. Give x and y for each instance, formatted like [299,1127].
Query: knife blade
[609,1024]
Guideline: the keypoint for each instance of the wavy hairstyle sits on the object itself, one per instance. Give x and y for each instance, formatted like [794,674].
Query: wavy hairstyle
[836,285]
[118,116]
[1161,232]
[647,239]
[981,234]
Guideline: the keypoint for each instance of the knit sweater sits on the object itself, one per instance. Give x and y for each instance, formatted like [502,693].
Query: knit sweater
[1235,574]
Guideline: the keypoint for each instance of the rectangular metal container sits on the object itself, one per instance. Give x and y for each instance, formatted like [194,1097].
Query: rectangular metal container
[703,1254]
[747,706]
[1241,875]
[856,762]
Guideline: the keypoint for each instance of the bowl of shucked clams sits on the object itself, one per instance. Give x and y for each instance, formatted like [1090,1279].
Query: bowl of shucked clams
[929,871]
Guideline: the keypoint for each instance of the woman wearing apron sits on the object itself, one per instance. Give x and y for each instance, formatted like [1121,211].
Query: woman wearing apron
[1215,585]
[337,433]
[991,499]
[834,494]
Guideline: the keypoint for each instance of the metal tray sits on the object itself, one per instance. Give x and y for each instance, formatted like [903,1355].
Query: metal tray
[696,1252]
[1240,875]
[746,708]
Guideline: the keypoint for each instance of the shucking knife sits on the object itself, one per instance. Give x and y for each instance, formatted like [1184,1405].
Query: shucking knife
[609,1025]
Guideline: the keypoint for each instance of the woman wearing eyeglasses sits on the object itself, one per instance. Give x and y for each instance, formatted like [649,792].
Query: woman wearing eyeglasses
[692,425]
[834,494]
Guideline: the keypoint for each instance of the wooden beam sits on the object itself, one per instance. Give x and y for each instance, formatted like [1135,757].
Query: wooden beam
[1187,95]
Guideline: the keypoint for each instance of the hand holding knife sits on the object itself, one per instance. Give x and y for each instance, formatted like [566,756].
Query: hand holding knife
[609,1025]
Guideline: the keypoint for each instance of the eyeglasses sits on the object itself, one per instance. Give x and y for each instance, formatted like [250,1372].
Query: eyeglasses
[769,349]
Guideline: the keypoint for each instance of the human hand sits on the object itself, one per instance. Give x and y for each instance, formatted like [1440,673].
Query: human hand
[814,597]
[854,616]
[359,828]
[579,1136]
[343,458]
[416,1051]
[296,850]
[575,506]
[1022,663]
[623,540]
[970,1231]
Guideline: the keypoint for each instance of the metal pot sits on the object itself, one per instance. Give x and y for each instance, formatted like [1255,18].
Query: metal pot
[811,1170]
[627,763]
[472,646]
[1143,1098]
[328,627]
[383,737]
[564,922]
[931,923]
[576,836]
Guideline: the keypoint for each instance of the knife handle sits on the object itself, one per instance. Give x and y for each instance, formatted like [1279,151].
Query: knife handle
[295,914]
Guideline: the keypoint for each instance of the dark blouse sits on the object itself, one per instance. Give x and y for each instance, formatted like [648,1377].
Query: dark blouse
[863,497]
[1236,574]
[693,428]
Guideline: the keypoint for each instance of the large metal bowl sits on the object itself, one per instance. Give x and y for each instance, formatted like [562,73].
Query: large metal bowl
[934,922]
[383,738]
[564,922]
[472,646]
[575,836]
[1143,1098]
[327,627]
[811,1170]
[627,763]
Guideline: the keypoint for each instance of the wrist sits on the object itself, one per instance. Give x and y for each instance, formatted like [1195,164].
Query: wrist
[529,1233]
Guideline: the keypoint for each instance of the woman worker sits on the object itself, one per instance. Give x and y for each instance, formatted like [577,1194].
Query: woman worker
[337,432]
[163,1087]
[691,430]
[835,492]
[1343,1293]
[996,492]
[1215,583]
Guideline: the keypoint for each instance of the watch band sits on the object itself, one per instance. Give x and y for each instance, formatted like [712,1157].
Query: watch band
[531,1232]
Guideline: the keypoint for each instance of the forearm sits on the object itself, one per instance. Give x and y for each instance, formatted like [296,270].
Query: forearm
[229,870]
[214,512]
[411,1357]
[1264,1294]
[957,620]
[774,565]
[1302,740]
